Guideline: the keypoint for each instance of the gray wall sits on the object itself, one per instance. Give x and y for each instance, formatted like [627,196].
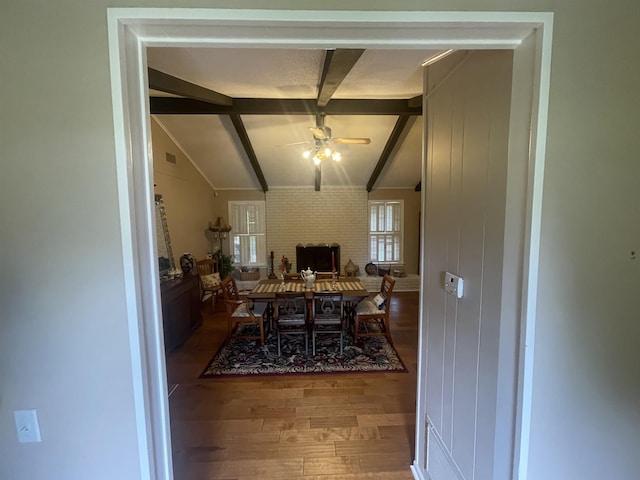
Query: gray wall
[468,128]
[187,196]
[64,347]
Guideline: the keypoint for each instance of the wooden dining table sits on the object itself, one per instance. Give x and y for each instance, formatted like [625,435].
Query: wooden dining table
[265,291]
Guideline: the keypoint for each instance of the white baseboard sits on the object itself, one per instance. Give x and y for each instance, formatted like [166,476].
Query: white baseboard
[419,473]
[441,465]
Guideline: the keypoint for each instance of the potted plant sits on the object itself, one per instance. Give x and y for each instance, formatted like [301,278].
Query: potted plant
[225,264]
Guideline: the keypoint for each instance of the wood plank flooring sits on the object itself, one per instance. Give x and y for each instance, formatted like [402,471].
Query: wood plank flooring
[310,427]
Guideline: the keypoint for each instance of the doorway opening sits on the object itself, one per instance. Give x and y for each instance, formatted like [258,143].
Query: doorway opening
[131,30]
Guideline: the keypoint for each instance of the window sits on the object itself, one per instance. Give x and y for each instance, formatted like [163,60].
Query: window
[248,234]
[386,231]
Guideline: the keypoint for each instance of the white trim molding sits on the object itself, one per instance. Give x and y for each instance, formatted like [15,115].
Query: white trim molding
[132,30]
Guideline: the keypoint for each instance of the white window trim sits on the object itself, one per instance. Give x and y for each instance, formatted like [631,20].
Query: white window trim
[263,206]
[400,260]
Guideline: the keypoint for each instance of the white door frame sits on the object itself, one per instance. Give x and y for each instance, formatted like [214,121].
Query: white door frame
[131,30]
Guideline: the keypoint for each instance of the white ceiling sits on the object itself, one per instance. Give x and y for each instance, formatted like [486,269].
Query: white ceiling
[212,144]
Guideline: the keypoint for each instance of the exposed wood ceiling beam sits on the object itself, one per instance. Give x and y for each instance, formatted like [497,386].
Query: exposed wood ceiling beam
[392,141]
[246,143]
[415,102]
[337,65]
[281,106]
[164,82]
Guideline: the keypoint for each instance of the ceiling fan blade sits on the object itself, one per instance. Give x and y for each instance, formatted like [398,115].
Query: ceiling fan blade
[321,132]
[308,142]
[352,141]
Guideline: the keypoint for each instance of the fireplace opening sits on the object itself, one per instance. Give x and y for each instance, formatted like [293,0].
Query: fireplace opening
[318,258]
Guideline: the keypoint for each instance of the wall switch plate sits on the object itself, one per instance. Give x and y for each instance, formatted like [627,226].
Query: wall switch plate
[27,425]
[454,284]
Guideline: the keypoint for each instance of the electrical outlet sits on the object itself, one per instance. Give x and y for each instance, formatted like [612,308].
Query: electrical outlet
[453,284]
[27,426]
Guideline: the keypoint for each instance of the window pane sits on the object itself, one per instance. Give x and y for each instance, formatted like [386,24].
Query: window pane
[236,249]
[396,248]
[248,232]
[373,220]
[385,231]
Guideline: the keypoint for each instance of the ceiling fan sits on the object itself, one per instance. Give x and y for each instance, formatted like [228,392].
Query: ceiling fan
[322,139]
[322,133]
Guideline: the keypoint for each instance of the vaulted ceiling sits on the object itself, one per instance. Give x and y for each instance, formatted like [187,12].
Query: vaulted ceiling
[242,116]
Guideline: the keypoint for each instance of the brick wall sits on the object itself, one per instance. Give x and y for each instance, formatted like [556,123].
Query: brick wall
[333,215]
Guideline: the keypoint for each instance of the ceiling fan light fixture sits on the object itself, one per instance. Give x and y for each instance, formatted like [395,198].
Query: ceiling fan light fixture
[306,154]
[316,160]
[336,156]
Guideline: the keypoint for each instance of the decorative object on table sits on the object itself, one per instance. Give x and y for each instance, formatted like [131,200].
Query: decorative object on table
[272,273]
[188,264]
[287,265]
[308,277]
[350,269]
[240,357]
[371,269]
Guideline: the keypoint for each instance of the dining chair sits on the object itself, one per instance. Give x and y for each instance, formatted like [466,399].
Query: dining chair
[290,317]
[239,312]
[372,313]
[327,316]
[210,283]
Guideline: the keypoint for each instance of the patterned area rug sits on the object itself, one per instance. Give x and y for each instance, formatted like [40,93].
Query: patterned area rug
[242,357]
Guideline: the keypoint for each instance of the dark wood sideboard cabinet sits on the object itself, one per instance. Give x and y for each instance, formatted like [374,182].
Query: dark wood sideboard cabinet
[180,310]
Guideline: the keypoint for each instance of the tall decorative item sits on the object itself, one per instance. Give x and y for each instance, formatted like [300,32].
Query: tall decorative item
[166,264]
[220,230]
[272,274]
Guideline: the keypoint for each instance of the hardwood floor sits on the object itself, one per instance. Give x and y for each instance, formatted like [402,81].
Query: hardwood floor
[311,427]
